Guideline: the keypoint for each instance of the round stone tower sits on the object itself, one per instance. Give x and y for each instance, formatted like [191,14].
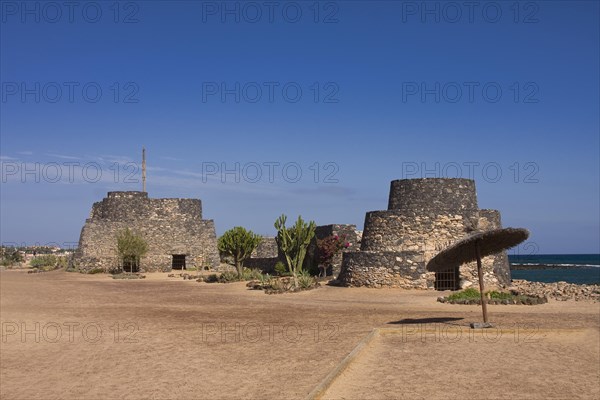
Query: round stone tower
[424,216]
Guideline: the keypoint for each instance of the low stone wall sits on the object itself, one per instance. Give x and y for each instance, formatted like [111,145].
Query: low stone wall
[395,269]
[265,256]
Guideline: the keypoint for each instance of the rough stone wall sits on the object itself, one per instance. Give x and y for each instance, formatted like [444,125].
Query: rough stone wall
[265,256]
[169,226]
[267,248]
[385,269]
[424,217]
[419,195]
[496,266]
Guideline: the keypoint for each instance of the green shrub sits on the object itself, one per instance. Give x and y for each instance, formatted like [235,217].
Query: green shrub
[10,256]
[251,274]
[499,295]
[305,280]
[472,293]
[96,270]
[238,243]
[5,262]
[281,269]
[130,248]
[128,275]
[44,260]
[62,262]
[229,276]
[247,275]
[264,279]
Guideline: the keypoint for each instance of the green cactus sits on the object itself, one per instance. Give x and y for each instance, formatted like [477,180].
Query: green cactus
[293,242]
[239,244]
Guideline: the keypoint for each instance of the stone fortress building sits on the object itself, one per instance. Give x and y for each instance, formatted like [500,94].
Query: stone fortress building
[177,236]
[424,216]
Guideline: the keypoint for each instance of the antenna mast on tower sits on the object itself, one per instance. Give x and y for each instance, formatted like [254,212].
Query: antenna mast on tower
[144,169]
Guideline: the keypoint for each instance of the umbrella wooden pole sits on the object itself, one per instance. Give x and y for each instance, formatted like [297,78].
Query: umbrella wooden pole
[481,287]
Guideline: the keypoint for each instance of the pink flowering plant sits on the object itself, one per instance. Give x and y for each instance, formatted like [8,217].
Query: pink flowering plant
[329,247]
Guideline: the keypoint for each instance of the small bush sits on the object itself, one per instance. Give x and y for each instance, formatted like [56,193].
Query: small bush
[129,275]
[10,256]
[62,262]
[499,295]
[251,274]
[97,270]
[229,276]
[247,275]
[305,280]
[281,269]
[470,293]
[264,279]
[44,260]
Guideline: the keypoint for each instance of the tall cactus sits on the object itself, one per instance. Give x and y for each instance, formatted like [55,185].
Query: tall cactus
[238,243]
[293,242]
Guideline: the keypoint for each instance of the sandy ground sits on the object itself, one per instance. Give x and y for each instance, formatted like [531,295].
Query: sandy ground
[73,336]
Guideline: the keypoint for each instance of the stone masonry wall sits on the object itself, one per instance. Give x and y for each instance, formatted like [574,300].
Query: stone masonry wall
[496,266]
[385,269]
[423,195]
[265,256]
[424,217]
[169,226]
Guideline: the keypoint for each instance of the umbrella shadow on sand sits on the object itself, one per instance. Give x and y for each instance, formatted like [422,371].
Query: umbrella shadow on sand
[433,320]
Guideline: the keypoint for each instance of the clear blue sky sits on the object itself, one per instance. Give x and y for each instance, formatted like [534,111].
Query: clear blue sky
[385,87]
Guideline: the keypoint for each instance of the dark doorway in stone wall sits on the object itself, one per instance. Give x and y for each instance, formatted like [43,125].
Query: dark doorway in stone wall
[130,266]
[447,280]
[178,261]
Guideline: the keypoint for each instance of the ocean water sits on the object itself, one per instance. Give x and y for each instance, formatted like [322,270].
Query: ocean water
[572,268]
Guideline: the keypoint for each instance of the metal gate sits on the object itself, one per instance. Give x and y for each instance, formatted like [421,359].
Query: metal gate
[447,280]
[178,261]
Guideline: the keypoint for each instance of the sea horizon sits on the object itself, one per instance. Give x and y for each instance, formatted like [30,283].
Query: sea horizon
[548,268]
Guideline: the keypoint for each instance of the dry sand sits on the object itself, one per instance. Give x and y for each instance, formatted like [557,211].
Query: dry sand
[73,336]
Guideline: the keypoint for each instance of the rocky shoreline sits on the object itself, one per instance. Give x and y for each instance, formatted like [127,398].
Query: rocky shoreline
[561,291]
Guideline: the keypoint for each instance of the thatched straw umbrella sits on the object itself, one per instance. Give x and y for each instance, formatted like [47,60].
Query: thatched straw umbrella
[474,247]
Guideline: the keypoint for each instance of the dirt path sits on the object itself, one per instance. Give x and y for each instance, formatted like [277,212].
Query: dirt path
[68,335]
